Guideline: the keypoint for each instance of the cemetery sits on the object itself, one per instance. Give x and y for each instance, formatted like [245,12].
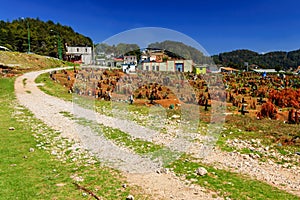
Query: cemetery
[275,97]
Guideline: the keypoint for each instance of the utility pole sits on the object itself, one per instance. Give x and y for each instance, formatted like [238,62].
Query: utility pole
[28,32]
[59,49]
[28,35]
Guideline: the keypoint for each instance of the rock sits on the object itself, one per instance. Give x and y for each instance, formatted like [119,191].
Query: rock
[164,171]
[267,148]
[279,144]
[298,153]
[77,178]
[124,185]
[11,128]
[193,180]
[251,148]
[175,116]
[201,171]
[130,197]
[31,150]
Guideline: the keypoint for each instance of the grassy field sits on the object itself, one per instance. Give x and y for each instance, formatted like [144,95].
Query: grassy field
[30,171]
[17,62]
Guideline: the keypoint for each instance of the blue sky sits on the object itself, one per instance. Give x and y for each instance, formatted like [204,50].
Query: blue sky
[218,25]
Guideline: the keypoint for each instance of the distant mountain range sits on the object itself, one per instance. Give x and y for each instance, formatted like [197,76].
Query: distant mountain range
[238,59]
[276,59]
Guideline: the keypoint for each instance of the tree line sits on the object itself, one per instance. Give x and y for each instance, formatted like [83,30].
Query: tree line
[44,36]
[276,59]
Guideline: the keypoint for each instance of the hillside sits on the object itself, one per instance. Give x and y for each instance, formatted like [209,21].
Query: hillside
[182,50]
[275,59]
[43,41]
[15,62]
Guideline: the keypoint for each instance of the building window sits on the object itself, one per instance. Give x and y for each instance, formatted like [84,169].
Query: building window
[147,68]
[157,68]
[77,49]
[85,49]
[153,68]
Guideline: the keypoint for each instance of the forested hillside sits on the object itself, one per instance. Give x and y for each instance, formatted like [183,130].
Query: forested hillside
[43,41]
[118,50]
[275,59]
[182,50]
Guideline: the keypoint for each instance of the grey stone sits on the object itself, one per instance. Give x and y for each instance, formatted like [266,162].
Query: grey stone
[130,197]
[201,171]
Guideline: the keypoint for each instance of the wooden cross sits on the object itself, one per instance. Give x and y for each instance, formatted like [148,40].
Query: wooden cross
[206,105]
[260,100]
[243,109]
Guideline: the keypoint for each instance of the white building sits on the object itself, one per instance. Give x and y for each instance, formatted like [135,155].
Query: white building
[130,60]
[79,54]
[170,65]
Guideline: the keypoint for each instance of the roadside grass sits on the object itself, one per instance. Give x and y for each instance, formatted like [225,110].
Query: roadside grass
[36,173]
[273,133]
[53,88]
[227,184]
[121,138]
[24,81]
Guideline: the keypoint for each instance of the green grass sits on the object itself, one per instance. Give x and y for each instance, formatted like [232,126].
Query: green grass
[121,138]
[24,81]
[29,62]
[52,88]
[271,133]
[38,174]
[228,184]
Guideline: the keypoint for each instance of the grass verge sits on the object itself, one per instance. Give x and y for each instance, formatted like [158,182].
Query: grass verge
[29,171]
[227,184]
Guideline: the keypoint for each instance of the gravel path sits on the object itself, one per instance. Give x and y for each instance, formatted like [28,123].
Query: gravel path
[48,108]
